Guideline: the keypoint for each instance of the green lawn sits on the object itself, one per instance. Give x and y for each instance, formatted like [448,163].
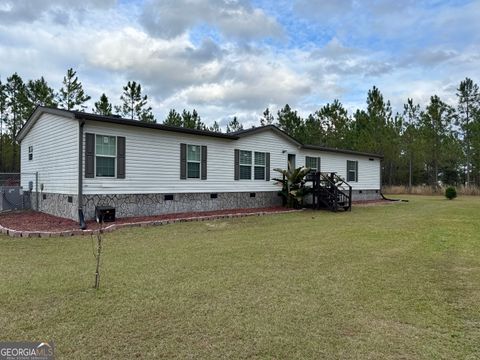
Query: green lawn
[399,281]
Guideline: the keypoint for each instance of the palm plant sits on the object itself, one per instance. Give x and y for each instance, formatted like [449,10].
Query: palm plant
[293,185]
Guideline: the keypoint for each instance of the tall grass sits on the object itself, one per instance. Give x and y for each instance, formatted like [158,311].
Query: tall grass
[430,190]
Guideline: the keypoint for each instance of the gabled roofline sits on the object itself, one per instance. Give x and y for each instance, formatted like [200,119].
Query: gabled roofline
[79,115]
[256,130]
[32,119]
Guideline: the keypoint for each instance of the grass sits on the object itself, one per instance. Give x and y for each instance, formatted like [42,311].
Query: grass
[399,281]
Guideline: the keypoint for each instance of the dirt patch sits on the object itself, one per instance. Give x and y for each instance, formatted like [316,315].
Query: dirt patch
[37,221]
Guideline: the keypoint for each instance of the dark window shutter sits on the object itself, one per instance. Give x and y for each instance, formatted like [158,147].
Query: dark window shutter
[204,163]
[267,166]
[120,157]
[237,165]
[356,171]
[319,165]
[183,161]
[89,155]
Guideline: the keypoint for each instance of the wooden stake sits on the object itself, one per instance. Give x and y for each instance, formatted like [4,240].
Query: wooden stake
[99,251]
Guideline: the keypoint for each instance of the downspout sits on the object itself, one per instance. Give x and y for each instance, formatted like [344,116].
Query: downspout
[81,217]
[381,192]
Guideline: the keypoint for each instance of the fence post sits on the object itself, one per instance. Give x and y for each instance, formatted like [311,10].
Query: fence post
[36,190]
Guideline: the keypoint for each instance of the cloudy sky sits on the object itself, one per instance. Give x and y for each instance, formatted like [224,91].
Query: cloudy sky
[237,57]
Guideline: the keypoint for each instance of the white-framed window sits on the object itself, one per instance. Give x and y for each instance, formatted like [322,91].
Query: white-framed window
[259,168]
[352,171]
[245,165]
[312,163]
[252,165]
[105,155]
[30,152]
[194,157]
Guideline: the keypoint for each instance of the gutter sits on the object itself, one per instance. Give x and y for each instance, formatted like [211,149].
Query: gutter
[81,218]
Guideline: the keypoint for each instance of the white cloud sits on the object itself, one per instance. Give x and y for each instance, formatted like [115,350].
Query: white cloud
[237,19]
[163,65]
[12,11]
[204,74]
[210,55]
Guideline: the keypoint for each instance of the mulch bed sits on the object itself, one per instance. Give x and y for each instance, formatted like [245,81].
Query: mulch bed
[41,222]
[35,221]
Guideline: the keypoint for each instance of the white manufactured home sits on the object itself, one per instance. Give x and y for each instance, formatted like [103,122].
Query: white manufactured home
[85,160]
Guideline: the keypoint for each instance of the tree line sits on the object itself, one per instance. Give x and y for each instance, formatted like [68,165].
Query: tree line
[437,143]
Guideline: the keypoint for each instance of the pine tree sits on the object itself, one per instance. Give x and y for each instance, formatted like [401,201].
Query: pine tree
[411,137]
[234,125]
[3,109]
[290,122]
[475,145]
[134,104]
[328,126]
[379,114]
[103,106]
[215,127]
[199,125]
[377,131]
[147,116]
[468,104]
[40,94]
[267,118]
[72,96]
[173,118]
[435,125]
[18,107]
[187,120]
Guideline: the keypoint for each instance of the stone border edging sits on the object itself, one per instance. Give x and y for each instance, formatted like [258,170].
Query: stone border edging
[112,227]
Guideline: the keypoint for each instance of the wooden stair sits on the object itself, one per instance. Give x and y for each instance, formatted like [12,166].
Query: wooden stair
[330,191]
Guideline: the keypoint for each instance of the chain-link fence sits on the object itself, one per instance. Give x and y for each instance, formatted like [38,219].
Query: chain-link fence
[18,191]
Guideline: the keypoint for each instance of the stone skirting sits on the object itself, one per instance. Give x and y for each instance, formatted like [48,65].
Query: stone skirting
[366,195]
[56,204]
[127,205]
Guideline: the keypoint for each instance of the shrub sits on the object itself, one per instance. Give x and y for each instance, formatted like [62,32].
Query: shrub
[450,193]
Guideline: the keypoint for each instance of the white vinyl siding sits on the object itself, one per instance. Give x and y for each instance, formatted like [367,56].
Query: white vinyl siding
[152,160]
[368,170]
[53,141]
